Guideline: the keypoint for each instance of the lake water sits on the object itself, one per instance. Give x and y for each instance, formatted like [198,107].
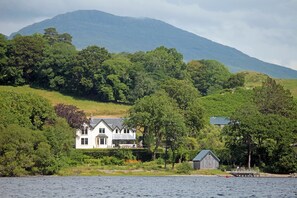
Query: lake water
[171,186]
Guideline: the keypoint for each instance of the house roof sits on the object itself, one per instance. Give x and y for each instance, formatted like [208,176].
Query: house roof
[219,120]
[111,122]
[203,154]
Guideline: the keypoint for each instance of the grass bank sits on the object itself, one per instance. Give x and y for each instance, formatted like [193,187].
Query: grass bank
[152,168]
[90,107]
[254,79]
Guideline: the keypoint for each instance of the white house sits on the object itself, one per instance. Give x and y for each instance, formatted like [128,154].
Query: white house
[105,133]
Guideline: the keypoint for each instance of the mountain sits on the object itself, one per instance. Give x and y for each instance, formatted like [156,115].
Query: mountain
[127,34]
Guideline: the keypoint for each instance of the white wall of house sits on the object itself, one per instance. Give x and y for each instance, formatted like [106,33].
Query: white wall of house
[101,136]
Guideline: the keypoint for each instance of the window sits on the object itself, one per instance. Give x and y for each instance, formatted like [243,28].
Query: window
[117,131]
[85,131]
[102,141]
[84,141]
[101,130]
[126,130]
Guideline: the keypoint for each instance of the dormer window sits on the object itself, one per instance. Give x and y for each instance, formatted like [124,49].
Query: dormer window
[126,130]
[101,130]
[84,131]
[117,131]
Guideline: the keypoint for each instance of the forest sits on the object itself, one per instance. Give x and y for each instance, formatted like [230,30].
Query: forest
[168,106]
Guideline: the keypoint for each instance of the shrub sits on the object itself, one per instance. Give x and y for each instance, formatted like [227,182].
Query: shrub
[184,168]
[125,154]
[93,162]
[111,161]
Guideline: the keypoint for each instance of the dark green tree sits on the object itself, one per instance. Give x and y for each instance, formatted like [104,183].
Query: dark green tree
[158,116]
[162,63]
[140,83]
[272,98]
[115,77]
[3,58]
[245,128]
[186,96]
[24,56]
[235,80]
[27,110]
[86,74]
[208,76]
[54,72]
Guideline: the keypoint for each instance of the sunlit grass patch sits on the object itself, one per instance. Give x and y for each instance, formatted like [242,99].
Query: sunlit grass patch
[90,107]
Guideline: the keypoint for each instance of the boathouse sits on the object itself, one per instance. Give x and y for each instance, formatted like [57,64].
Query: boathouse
[206,159]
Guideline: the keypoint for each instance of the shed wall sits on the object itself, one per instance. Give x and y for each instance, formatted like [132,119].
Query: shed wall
[208,162]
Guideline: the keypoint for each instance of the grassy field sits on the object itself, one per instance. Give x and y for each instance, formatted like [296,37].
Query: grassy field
[290,84]
[254,79]
[90,107]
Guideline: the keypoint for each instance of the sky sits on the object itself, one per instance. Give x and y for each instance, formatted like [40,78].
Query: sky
[264,29]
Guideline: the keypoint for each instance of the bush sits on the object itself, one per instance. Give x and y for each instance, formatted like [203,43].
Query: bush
[125,154]
[137,153]
[225,167]
[184,168]
[93,162]
[111,161]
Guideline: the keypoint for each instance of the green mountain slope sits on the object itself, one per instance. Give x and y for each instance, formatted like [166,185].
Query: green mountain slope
[127,34]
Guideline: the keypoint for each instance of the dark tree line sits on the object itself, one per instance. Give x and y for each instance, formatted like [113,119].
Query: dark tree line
[50,61]
[33,140]
[264,132]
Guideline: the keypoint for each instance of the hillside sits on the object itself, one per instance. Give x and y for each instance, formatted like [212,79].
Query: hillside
[254,79]
[216,104]
[129,34]
[90,107]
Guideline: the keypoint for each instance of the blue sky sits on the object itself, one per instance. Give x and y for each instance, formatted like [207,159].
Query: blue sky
[265,29]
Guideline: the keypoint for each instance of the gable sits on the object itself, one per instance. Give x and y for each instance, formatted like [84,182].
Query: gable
[203,154]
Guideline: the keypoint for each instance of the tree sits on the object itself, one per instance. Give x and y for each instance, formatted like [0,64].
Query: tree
[25,54]
[272,98]
[208,76]
[60,137]
[235,80]
[265,131]
[162,63]
[175,133]
[51,35]
[32,139]
[26,110]
[75,117]
[54,72]
[16,151]
[194,116]
[244,128]
[140,83]
[115,77]
[159,117]
[3,58]
[186,96]
[86,74]
[182,91]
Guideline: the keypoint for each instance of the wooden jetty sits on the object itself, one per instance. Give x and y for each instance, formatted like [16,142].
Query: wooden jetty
[245,174]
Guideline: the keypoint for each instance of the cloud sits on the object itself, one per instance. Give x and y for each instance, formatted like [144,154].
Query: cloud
[264,29]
